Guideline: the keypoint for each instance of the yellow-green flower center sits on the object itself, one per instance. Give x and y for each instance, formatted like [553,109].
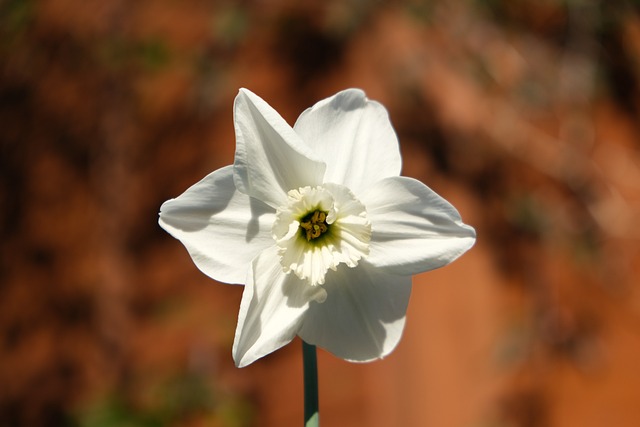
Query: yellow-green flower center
[314,224]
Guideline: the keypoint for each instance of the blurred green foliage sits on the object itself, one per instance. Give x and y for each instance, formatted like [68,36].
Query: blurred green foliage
[175,402]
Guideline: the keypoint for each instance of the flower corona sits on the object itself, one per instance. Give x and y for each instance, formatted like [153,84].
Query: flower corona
[319,229]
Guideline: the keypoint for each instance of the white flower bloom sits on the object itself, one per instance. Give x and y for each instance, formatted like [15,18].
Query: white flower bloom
[319,226]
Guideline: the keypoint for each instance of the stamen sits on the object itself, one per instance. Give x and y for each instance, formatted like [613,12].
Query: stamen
[314,224]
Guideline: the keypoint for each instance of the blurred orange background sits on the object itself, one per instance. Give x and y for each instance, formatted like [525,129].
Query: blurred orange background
[524,114]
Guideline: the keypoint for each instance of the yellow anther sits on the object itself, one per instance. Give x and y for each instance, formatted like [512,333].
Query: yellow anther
[314,225]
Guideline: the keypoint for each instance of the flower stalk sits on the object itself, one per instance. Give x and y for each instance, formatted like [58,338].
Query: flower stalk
[310,368]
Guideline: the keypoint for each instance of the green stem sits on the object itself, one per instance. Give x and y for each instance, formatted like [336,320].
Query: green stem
[310,366]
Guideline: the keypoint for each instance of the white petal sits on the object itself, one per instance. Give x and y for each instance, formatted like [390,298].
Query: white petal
[222,229]
[272,309]
[363,316]
[270,157]
[354,137]
[413,228]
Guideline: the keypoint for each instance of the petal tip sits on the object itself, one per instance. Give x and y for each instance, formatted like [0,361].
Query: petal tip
[240,363]
[244,90]
[349,99]
[239,354]
[246,95]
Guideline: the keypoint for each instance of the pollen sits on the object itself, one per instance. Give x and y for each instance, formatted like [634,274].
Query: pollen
[314,224]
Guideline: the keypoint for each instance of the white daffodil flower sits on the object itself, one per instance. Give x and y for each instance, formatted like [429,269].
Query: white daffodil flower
[319,225]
